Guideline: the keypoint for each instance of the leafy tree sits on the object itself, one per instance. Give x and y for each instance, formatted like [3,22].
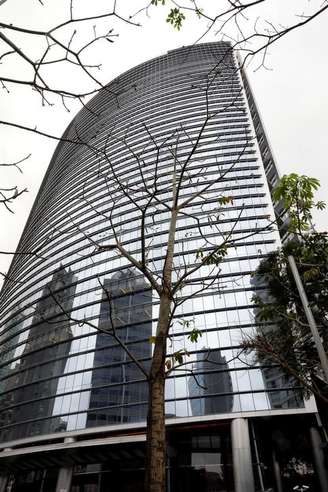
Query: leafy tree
[284,336]
[296,194]
[176,279]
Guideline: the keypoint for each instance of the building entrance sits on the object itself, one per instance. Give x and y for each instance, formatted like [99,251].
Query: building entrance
[197,461]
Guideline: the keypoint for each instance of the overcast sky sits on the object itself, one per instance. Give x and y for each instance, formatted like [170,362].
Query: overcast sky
[291,94]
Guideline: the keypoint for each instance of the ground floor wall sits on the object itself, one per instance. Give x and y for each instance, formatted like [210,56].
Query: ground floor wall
[273,454]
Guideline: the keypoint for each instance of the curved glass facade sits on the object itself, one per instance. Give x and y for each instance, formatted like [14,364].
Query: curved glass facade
[58,373]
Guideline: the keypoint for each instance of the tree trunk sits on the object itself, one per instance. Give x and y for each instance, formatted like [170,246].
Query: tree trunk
[156,439]
[156,442]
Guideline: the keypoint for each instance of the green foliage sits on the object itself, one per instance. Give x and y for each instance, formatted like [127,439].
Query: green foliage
[199,254]
[297,196]
[311,274]
[266,312]
[212,258]
[178,356]
[225,200]
[176,359]
[194,335]
[320,205]
[176,17]
[186,323]
[215,258]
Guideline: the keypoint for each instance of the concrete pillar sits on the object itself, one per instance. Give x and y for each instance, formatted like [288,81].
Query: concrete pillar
[277,472]
[70,439]
[3,483]
[319,458]
[64,479]
[242,458]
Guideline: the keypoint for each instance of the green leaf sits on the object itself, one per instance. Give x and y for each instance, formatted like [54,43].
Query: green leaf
[320,205]
[216,257]
[178,356]
[296,193]
[176,17]
[199,253]
[185,322]
[194,335]
[224,200]
[311,274]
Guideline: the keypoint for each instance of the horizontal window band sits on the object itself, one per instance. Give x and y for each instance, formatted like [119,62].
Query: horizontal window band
[295,389]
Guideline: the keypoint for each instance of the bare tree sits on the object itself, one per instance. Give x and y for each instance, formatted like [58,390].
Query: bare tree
[9,195]
[243,22]
[68,48]
[160,198]
[60,46]
[176,275]
[171,182]
[46,60]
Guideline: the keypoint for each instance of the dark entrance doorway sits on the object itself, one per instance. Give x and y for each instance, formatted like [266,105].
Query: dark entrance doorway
[201,460]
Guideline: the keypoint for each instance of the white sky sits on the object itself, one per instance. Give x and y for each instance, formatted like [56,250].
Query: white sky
[291,96]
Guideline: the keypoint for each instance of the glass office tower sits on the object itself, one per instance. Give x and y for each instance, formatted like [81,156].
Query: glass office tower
[113,386]
[73,404]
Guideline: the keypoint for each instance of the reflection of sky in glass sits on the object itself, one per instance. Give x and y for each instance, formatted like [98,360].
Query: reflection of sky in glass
[80,381]
[77,213]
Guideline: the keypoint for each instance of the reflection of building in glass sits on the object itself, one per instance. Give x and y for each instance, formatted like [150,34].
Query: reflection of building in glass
[285,398]
[210,387]
[8,348]
[126,309]
[143,127]
[7,366]
[49,339]
[6,415]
